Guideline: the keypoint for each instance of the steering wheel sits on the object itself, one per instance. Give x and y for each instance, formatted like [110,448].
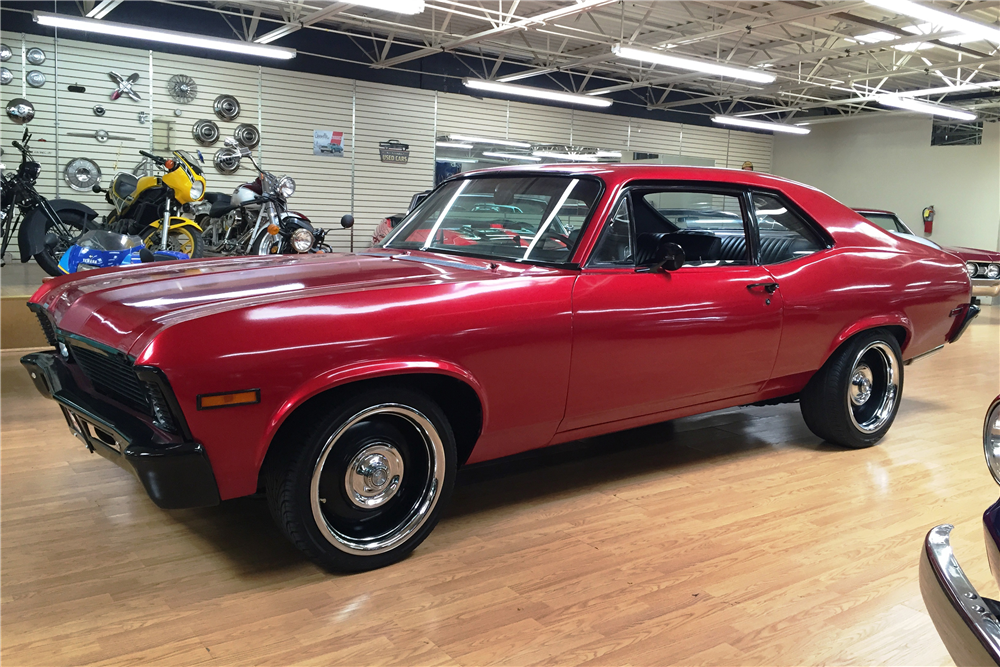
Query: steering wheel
[555,236]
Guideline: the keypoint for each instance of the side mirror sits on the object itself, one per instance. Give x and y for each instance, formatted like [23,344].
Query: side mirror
[669,257]
[97,189]
[347,221]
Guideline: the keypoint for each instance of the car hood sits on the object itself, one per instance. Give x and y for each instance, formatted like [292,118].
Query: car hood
[118,307]
[974,254]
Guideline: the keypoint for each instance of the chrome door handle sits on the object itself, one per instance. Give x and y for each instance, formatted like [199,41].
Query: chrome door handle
[768,287]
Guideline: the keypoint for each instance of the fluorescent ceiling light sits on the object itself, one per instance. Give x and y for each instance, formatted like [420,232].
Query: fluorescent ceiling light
[941,19]
[602,153]
[924,107]
[678,62]
[487,140]
[947,90]
[566,156]
[166,36]
[452,144]
[876,37]
[457,159]
[759,124]
[513,156]
[536,93]
[398,6]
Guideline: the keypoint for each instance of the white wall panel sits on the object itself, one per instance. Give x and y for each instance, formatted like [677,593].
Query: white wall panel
[651,136]
[600,130]
[461,114]
[539,123]
[382,188]
[295,104]
[745,146]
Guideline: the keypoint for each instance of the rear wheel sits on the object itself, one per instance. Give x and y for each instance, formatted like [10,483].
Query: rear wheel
[59,238]
[187,240]
[852,401]
[367,483]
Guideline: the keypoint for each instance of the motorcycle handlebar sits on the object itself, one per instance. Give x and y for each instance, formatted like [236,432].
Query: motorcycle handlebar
[155,158]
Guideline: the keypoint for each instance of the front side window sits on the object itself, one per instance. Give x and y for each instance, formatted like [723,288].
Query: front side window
[784,234]
[531,218]
[708,226]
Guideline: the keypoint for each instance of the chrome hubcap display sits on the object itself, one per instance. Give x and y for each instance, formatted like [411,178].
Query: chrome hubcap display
[861,385]
[874,387]
[374,475]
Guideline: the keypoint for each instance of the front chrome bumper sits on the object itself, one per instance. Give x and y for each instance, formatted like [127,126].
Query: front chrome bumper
[985,287]
[966,621]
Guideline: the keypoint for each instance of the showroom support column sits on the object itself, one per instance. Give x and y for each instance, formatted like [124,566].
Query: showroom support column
[354,148]
[150,100]
[55,115]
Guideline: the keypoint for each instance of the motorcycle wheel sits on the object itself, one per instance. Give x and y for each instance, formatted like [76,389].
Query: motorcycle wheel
[265,244]
[49,257]
[181,239]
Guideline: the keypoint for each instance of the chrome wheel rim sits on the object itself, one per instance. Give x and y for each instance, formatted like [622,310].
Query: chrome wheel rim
[370,493]
[873,388]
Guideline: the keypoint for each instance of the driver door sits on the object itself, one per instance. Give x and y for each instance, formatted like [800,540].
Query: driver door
[647,341]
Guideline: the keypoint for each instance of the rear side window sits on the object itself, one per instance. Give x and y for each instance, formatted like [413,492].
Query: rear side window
[784,234]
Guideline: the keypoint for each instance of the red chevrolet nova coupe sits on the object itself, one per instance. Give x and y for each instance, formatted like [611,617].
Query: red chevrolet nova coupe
[513,309]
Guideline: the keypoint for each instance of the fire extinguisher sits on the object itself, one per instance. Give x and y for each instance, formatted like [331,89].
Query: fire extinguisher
[928,215]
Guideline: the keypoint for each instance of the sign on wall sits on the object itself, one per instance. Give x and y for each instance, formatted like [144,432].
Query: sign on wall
[394,151]
[328,143]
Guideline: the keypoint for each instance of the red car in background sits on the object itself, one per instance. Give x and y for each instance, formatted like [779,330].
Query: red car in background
[513,309]
[983,266]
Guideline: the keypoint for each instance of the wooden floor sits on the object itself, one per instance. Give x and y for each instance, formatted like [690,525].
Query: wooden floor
[733,538]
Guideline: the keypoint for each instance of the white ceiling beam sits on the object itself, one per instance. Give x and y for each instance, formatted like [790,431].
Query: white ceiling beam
[303,22]
[579,7]
[103,8]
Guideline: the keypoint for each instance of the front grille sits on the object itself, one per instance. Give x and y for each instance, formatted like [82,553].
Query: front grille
[47,328]
[112,376]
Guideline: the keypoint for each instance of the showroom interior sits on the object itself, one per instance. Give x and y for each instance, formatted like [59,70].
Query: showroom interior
[724,531]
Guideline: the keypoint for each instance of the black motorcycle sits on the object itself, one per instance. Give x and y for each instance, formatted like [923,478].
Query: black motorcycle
[47,228]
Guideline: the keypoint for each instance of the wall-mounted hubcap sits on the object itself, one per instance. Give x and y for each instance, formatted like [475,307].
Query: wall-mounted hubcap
[374,475]
[861,385]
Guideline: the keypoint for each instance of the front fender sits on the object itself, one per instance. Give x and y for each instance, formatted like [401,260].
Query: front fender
[365,371]
[872,322]
[31,236]
[175,223]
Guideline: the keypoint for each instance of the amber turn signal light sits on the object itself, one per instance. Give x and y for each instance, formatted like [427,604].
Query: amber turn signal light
[245,397]
[273,230]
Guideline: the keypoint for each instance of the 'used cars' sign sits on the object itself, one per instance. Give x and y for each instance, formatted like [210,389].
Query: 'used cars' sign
[394,151]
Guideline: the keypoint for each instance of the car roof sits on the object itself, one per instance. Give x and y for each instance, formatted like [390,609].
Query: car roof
[628,172]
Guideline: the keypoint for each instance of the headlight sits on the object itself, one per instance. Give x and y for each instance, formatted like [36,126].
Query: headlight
[302,240]
[991,440]
[286,186]
[970,268]
[993,272]
[197,190]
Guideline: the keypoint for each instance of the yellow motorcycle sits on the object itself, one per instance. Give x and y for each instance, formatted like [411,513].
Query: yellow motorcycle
[146,206]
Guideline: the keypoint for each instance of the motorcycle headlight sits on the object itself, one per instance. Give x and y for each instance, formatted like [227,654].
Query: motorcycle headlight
[993,272]
[302,240]
[970,268]
[197,190]
[286,186]
[991,440]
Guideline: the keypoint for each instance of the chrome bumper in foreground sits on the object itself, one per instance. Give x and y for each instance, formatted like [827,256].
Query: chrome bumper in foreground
[966,622]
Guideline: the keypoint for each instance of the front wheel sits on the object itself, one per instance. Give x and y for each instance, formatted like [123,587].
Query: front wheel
[268,244]
[852,401]
[59,238]
[367,483]
[187,240]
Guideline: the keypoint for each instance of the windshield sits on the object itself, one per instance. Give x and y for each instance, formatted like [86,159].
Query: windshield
[886,221]
[533,218]
[191,160]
